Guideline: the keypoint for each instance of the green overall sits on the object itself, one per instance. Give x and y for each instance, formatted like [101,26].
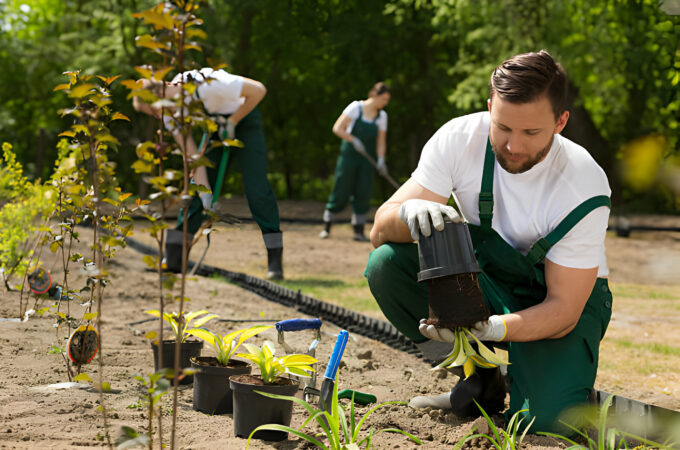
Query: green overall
[252,159]
[354,174]
[547,376]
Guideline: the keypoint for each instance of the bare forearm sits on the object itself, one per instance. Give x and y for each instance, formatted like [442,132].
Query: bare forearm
[547,320]
[381,145]
[342,134]
[388,227]
[245,109]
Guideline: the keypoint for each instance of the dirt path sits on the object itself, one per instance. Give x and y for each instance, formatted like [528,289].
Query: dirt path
[32,415]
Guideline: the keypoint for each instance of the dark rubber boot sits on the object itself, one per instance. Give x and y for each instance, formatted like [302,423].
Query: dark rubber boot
[173,250]
[326,230]
[274,263]
[359,233]
[487,386]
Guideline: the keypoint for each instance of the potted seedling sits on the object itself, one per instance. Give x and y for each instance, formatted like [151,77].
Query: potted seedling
[340,433]
[252,409]
[448,265]
[212,394]
[180,324]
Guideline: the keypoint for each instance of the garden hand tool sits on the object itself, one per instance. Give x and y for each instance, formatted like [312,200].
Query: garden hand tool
[361,398]
[83,344]
[308,384]
[328,383]
[224,160]
[382,173]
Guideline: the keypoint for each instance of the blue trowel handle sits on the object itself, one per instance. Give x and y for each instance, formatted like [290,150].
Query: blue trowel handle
[338,350]
[298,324]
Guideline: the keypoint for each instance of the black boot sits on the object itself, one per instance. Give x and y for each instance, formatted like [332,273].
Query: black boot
[487,386]
[173,250]
[326,230]
[359,233]
[274,263]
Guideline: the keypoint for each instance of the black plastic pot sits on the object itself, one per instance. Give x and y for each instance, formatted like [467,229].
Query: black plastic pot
[212,394]
[187,350]
[448,264]
[446,252]
[252,409]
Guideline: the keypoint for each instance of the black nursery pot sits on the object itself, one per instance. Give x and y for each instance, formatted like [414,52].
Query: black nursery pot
[212,394]
[252,409]
[187,350]
[448,264]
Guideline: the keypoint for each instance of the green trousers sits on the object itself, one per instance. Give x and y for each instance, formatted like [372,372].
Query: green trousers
[252,160]
[354,177]
[547,376]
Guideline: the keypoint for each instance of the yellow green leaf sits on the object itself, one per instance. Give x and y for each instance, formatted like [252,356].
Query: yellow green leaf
[151,335]
[61,87]
[89,316]
[81,90]
[83,377]
[120,116]
[468,367]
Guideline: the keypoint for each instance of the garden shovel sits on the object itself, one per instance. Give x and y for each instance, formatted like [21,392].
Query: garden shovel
[328,383]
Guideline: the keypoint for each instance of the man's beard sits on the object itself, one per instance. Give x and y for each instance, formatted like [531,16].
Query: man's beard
[526,165]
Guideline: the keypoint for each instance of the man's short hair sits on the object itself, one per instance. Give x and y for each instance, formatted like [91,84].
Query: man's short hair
[526,77]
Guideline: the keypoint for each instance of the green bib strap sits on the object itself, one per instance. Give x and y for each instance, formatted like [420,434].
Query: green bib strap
[486,192]
[541,247]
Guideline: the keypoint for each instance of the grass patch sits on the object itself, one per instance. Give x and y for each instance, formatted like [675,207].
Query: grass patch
[642,291]
[351,293]
[652,347]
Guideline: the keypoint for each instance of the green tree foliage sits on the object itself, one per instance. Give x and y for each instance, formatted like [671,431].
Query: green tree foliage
[315,56]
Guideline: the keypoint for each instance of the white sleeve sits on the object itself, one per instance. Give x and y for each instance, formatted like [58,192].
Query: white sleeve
[583,246]
[222,87]
[433,171]
[382,121]
[352,110]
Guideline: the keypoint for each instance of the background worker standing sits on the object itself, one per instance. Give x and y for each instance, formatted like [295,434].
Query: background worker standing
[362,126]
[230,100]
[538,207]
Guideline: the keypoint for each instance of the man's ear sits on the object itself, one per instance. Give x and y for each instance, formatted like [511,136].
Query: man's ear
[561,122]
[488,104]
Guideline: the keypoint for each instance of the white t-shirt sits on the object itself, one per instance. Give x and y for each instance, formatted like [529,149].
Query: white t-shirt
[352,111]
[529,205]
[219,90]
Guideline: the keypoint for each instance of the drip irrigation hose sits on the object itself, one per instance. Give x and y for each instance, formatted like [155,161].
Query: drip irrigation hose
[376,329]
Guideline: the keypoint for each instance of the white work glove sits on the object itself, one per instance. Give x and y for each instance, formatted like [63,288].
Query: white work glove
[434,333]
[415,214]
[230,129]
[358,145]
[381,166]
[492,329]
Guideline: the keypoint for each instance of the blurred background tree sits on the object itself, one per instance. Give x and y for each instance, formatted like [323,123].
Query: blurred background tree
[315,56]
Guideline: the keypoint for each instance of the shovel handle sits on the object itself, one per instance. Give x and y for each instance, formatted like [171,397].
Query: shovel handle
[338,350]
[298,325]
[361,398]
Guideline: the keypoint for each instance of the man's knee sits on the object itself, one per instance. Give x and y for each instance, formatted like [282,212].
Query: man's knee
[380,265]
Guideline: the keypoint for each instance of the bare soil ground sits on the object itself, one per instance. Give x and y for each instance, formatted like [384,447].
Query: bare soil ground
[35,415]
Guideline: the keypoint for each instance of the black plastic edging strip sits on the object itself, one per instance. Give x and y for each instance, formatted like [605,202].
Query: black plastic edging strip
[369,327]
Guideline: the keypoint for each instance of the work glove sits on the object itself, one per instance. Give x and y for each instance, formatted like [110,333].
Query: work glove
[229,130]
[381,166]
[358,145]
[435,333]
[415,214]
[492,329]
